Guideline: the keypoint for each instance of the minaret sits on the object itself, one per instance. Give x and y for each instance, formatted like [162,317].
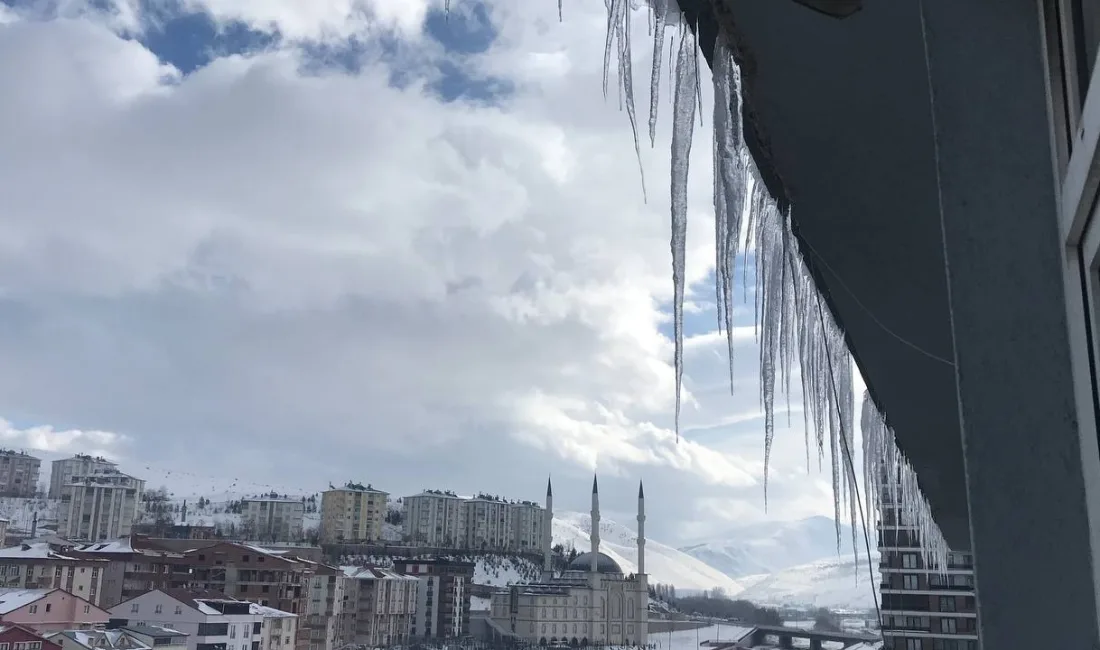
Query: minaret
[595,536]
[641,529]
[547,534]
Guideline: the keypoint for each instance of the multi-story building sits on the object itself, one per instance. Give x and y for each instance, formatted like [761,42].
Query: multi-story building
[923,607]
[42,565]
[134,566]
[443,597]
[435,518]
[99,506]
[381,605]
[14,636]
[211,620]
[352,513]
[279,630]
[18,474]
[325,613]
[62,471]
[272,519]
[444,519]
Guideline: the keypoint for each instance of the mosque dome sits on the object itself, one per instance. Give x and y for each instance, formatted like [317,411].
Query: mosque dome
[604,564]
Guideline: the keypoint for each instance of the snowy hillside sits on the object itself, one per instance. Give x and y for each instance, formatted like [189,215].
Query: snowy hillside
[835,583]
[504,570]
[20,511]
[772,546]
[664,564]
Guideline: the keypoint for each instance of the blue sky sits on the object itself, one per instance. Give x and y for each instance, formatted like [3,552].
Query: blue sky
[267,209]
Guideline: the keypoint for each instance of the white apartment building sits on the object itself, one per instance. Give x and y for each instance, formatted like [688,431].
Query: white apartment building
[271,519]
[381,604]
[434,518]
[40,565]
[325,611]
[211,620]
[279,630]
[18,473]
[352,513]
[99,506]
[62,471]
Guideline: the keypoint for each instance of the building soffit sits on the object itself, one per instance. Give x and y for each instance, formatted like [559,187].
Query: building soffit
[838,119]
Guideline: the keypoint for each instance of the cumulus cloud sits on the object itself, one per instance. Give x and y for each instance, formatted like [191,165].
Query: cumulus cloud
[294,276]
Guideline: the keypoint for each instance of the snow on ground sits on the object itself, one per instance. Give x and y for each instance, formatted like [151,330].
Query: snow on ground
[690,639]
[833,582]
[504,570]
[390,532]
[20,511]
[479,604]
[664,564]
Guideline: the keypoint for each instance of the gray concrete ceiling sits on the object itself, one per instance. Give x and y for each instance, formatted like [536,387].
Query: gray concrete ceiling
[843,131]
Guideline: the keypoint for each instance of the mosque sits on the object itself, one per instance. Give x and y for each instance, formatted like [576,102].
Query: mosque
[591,603]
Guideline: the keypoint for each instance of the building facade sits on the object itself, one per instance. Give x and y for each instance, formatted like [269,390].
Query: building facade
[444,519]
[380,604]
[923,608]
[100,506]
[443,597]
[46,611]
[211,620]
[326,612]
[279,629]
[41,565]
[271,519]
[352,513]
[13,636]
[591,603]
[134,566]
[19,474]
[62,471]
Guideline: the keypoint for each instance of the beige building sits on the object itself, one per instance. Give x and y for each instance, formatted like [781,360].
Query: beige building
[435,518]
[62,471]
[271,519]
[99,506]
[279,629]
[592,603]
[41,565]
[380,604]
[18,474]
[352,513]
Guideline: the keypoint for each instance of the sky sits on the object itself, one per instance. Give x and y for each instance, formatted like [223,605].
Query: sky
[283,244]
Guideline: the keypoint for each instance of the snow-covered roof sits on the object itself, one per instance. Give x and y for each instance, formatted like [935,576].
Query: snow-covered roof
[102,639]
[13,599]
[273,500]
[269,612]
[153,631]
[373,573]
[121,545]
[37,551]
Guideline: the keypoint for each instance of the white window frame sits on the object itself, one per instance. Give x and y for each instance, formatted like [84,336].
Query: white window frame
[1077,168]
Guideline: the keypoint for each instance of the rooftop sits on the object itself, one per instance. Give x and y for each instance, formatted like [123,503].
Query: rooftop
[269,612]
[13,599]
[154,631]
[373,573]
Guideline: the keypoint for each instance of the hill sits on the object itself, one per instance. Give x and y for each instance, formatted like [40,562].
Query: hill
[664,564]
[836,582]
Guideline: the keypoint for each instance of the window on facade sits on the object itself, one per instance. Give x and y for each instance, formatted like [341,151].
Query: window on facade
[909,582]
[909,561]
[948,625]
[134,608]
[49,606]
[34,609]
[179,610]
[913,644]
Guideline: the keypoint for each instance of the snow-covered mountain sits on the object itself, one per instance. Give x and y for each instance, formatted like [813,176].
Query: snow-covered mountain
[664,564]
[837,582]
[773,546]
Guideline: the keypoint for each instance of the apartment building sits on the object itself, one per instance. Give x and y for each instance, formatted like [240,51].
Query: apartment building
[443,596]
[211,620]
[134,566]
[248,573]
[325,612]
[381,604]
[444,519]
[923,608]
[352,513]
[19,473]
[279,629]
[99,506]
[435,518]
[272,519]
[62,471]
[46,611]
[44,565]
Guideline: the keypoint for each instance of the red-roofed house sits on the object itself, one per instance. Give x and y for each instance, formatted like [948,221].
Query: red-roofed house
[15,637]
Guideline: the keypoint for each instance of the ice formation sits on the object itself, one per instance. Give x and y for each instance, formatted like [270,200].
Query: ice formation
[791,320]
[891,480]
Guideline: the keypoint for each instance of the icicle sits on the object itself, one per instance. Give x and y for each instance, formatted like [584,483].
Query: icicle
[559,11]
[683,123]
[618,33]
[447,10]
[891,482]
[655,72]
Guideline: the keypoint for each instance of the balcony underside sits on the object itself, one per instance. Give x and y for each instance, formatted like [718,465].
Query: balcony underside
[842,129]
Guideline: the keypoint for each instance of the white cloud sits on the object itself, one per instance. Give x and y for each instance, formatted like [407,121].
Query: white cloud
[309,278]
